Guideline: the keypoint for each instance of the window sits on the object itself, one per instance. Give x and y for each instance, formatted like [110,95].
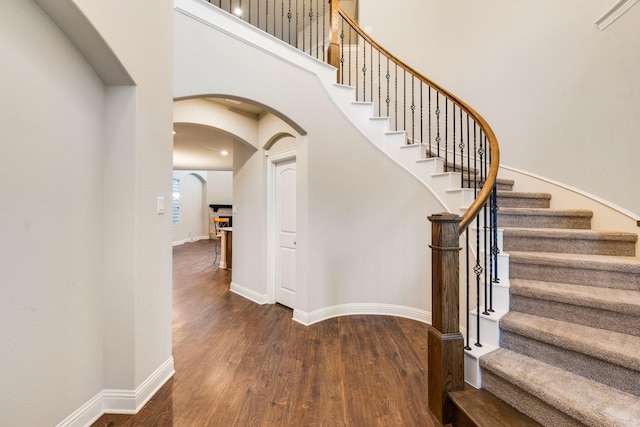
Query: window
[175,211]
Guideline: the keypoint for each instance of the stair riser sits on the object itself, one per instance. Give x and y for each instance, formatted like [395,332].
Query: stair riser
[526,403]
[587,316]
[522,202]
[568,245]
[574,275]
[580,364]
[535,221]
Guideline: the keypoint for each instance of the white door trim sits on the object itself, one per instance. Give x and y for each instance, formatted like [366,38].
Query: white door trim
[271,220]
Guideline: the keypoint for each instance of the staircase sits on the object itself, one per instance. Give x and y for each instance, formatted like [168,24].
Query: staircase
[570,344]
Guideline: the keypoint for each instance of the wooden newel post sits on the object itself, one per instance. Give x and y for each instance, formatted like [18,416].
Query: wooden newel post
[333,55]
[446,344]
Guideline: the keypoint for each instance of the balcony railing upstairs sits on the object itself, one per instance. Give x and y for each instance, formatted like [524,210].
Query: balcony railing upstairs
[444,127]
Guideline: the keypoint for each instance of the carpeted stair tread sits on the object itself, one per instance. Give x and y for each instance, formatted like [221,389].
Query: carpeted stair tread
[587,401]
[622,272]
[615,300]
[570,240]
[572,234]
[515,199]
[615,348]
[544,218]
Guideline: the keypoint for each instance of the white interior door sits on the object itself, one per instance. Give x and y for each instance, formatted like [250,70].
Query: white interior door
[285,218]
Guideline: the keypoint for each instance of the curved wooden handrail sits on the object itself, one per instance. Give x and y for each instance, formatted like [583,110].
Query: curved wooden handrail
[492,175]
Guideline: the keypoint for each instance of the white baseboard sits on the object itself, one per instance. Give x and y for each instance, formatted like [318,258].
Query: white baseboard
[189,240]
[249,294]
[120,401]
[355,309]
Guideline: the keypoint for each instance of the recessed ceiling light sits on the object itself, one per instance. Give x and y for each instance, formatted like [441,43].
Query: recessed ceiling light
[224,152]
[238,11]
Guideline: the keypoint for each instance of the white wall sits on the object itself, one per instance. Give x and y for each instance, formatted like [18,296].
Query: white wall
[363,233]
[140,35]
[193,216]
[51,213]
[198,190]
[561,95]
[220,188]
[85,261]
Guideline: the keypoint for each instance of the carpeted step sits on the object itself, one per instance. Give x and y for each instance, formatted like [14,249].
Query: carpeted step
[514,199]
[570,241]
[501,183]
[544,218]
[610,358]
[616,310]
[555,397]
[576,269]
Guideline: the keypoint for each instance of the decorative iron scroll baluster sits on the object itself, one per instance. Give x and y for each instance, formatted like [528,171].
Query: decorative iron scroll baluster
[478,267]
[388,100]
[461,152]
[413,110]
[342,51]
[310,26]
[364,71]
[371,71]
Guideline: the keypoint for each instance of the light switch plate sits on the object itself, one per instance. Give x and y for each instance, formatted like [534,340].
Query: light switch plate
[160,205]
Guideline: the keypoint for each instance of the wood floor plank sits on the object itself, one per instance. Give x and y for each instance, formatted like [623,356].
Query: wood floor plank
[242,364]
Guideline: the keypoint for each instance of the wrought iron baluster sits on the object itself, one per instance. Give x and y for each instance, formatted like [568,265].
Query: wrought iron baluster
[324,31]
[430,127]
[371,71]
[413,110]
[404,100]
[379,84]
[446,133]
[468,289]
[461,150]
[388,99]
[350,62]
[453,138]
[356,71]
[342,51]
[364,70]
[421,114]
[289,16]
[478,268]
[438,139]
[310,27]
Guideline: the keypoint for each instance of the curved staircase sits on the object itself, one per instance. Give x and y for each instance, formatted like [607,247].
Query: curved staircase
[570,344]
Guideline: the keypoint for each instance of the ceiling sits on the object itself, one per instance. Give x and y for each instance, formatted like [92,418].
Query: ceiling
[200,147]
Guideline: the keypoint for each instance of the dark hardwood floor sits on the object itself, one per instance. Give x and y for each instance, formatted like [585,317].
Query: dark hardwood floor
[241,364]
